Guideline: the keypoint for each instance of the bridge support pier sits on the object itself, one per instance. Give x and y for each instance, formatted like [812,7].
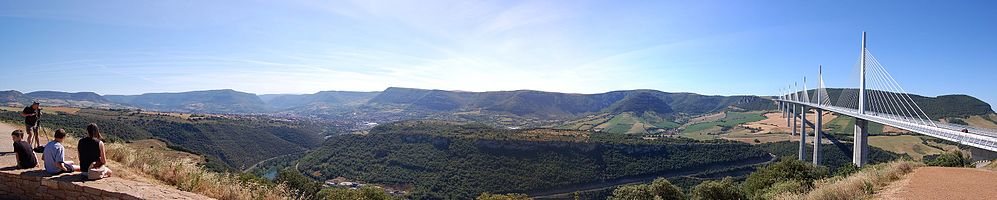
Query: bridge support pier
[860,152]
[803,133]
[789,114]
[793,116]
[817,128]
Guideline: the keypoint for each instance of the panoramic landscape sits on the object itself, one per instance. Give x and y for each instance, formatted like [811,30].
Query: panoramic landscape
[498,100]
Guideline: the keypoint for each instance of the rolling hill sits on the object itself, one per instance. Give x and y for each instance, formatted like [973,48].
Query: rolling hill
[14,98]
[516,108]
[567,105]
[209,101]
[77,96]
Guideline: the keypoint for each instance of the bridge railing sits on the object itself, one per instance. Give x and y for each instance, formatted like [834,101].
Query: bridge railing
[976,137]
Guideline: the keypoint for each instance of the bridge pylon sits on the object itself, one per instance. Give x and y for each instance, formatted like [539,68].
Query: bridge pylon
[820,113]
[860,151]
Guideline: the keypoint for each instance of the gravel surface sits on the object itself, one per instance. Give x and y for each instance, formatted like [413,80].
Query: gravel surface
[944,183]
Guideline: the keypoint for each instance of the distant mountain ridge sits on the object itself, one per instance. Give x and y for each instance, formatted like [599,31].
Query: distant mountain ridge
[328,98]
[78,96]
[554,104]
[13,98]
[223,101]
[531,103]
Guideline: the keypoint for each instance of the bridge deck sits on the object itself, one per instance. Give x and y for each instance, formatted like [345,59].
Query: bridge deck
[976,137]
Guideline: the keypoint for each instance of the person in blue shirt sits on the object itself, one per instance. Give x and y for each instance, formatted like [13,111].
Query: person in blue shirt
[54,156]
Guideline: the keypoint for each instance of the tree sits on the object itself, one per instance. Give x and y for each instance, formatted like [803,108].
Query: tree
[664,189]
[364,193]
[722,189]
[660,188]
[510,196]
[632,192]
[304,186]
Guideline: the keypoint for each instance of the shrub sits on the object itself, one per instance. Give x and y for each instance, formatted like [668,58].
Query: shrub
[788,187]
[787,169]
[660,188]
[950,159]
[364,193]
[722,189]
[845,170]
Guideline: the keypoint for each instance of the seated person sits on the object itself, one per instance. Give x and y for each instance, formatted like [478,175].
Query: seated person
[55,162]
[25,157]
[92,158]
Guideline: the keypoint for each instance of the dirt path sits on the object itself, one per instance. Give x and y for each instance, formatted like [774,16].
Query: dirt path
[944,183]
[5,142]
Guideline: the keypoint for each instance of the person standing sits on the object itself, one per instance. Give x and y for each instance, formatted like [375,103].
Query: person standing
[24,156]
[31,114]
[93,161]
[54,156]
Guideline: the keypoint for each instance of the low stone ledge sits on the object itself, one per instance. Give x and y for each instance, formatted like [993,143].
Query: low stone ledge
[36,184]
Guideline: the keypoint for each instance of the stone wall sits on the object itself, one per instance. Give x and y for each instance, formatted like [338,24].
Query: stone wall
[27,186]
[36,184]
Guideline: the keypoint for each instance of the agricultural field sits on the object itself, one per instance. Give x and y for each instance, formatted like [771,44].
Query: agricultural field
[845,125]
[622,123]
[912,145]
[982,121]
[730,120]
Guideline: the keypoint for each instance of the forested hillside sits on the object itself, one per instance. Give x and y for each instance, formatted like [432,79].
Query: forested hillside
[460,161]
[560,105]
[227,143]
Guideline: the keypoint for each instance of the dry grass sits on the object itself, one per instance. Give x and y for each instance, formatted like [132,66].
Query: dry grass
[860,185]
[186,175]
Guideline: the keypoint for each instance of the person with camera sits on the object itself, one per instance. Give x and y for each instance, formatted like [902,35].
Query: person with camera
[31,114]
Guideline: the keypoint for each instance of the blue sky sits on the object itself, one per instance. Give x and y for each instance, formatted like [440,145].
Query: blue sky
[302,46]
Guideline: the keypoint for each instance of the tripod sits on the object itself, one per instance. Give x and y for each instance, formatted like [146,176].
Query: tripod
[38,131]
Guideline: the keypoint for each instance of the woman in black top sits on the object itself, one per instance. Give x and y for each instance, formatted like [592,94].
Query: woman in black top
[91,150]
[25,157]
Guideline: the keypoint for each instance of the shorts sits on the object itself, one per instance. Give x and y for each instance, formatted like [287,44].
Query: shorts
[30,129]
[69,167]
[99,173]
